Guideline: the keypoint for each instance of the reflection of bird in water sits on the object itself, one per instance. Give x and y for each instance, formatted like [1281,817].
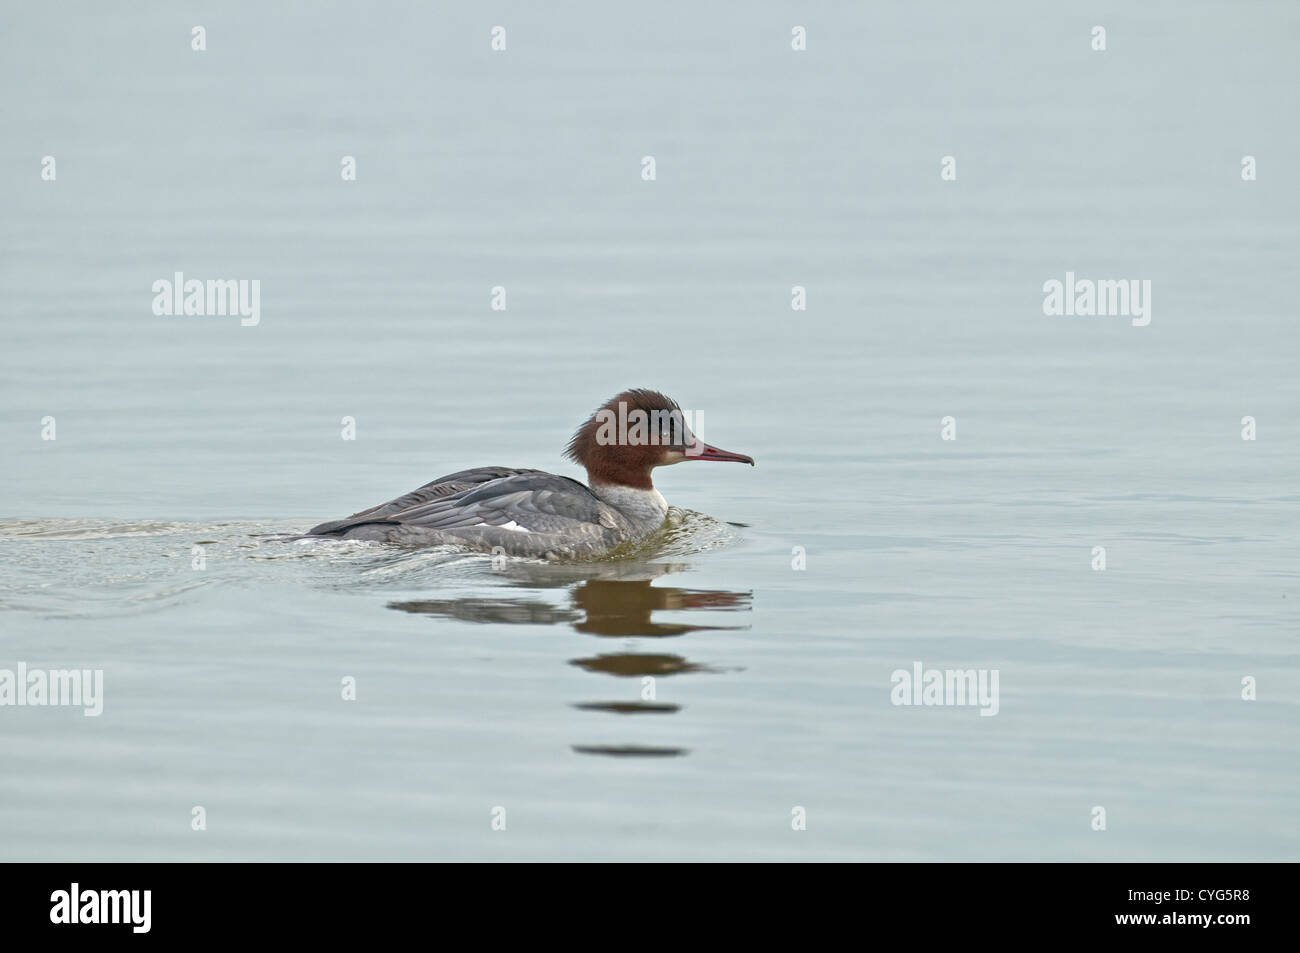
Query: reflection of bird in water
[503,611]
[626,665]
[630,751]
[610,607]
[629,708]
[624,608]
[612,601]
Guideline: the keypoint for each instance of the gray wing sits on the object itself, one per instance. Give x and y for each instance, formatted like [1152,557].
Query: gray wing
[487,496]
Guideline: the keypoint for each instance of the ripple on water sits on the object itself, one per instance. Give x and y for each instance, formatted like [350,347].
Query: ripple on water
[684,533]
[78,529]
[101,566]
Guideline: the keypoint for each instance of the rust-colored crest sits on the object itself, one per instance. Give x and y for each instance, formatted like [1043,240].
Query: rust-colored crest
[619,461]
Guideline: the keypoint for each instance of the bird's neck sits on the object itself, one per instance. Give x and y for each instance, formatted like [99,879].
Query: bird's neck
[643,505]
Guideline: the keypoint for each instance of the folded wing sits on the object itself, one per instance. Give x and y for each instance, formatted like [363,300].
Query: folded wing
[524,500]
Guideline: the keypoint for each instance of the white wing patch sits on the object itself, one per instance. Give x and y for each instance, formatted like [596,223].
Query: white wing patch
[512,525]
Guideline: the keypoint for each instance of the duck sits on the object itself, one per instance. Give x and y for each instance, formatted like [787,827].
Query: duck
[534,514]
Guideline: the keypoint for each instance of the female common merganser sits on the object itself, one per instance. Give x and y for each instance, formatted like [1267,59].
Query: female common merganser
[538,514]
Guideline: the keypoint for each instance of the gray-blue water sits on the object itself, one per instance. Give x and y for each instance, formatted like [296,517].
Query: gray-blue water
[519,694]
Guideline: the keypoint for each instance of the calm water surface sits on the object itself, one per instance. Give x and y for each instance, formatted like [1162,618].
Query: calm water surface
[523,686]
